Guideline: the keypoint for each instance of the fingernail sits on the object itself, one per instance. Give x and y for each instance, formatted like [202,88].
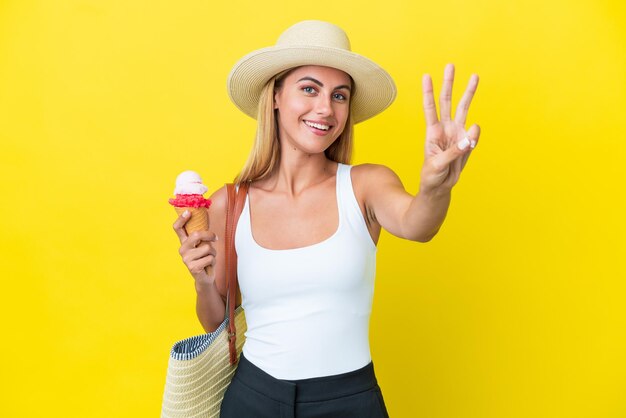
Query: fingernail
[217,238]
[185,214]
[473,144]
[463,143]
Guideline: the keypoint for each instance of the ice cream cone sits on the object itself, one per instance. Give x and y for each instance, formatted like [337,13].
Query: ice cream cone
[198,221]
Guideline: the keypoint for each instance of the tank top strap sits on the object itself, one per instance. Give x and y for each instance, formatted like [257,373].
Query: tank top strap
[349,209]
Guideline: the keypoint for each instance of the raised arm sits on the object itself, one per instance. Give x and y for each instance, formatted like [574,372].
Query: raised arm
[448,146]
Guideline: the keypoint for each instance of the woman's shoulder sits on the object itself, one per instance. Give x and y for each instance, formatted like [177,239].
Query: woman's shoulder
[371,180]
[219,199]
[366,175]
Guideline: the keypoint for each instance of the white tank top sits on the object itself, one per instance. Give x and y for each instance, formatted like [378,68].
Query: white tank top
[308,309]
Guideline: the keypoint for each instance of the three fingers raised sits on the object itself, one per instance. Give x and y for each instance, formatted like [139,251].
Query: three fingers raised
[445,98]
[460,116]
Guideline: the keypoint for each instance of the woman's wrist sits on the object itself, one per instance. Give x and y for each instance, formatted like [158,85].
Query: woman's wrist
[434,193]
[205,286]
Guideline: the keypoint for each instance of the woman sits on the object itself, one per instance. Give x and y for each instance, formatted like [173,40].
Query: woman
[306,239]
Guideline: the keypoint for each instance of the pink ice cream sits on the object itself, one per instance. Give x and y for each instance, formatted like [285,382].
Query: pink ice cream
[189,190]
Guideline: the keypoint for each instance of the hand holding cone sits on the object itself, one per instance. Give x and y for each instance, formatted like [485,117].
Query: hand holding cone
[189,190]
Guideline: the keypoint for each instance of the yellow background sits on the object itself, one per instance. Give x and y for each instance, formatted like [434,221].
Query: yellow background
[516,309]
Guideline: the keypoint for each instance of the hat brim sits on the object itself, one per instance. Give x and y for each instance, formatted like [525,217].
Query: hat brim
[374,92]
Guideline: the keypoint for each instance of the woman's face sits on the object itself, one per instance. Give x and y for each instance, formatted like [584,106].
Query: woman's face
[312,105]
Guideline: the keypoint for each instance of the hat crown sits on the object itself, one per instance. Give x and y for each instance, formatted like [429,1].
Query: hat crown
[315,33]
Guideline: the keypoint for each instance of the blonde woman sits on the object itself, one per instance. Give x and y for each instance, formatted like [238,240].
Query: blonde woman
[306,239]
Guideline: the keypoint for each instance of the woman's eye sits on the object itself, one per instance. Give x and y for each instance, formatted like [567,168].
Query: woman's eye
[339,96]
[308,89]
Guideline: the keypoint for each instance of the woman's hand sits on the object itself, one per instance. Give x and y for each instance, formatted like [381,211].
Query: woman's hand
[196,250]
[448,144]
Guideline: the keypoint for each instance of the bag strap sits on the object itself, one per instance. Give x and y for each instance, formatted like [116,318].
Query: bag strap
[234,207]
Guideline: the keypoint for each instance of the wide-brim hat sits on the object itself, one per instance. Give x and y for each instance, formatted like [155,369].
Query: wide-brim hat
[312,42]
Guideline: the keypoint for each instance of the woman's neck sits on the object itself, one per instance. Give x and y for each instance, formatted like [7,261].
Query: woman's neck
[295,174]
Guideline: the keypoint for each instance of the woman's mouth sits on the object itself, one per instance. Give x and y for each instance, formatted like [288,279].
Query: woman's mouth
[318,128]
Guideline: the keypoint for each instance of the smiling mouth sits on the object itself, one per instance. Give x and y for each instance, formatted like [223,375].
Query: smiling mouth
[319,126]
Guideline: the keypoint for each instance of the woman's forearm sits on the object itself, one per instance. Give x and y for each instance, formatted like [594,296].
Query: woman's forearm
[210,307]
[426,214]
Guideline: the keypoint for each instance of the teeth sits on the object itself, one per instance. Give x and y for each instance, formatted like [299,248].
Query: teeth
[317,125]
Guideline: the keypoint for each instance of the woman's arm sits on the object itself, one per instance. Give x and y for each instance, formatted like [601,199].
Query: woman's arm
[417,218]
[203,248]
[448,147]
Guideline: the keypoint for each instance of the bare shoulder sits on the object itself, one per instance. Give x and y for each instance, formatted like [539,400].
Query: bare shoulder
[370,182]
[219,199]
[373,176]
[376,185]
[217,210]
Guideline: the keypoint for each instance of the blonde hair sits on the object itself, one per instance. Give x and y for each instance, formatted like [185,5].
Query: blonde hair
[265,154]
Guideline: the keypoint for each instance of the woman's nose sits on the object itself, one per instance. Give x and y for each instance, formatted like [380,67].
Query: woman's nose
[324,105]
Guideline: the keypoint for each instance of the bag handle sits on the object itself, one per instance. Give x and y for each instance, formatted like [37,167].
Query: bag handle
[236,199]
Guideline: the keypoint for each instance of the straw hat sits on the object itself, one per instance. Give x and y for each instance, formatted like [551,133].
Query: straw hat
[312,42]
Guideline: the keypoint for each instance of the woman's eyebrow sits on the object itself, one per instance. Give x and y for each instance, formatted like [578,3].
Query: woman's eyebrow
[319,83]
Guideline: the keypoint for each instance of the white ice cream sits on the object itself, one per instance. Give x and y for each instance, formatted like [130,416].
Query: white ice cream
[189,182]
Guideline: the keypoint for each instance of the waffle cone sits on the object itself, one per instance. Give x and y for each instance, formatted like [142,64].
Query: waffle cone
[198,221]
